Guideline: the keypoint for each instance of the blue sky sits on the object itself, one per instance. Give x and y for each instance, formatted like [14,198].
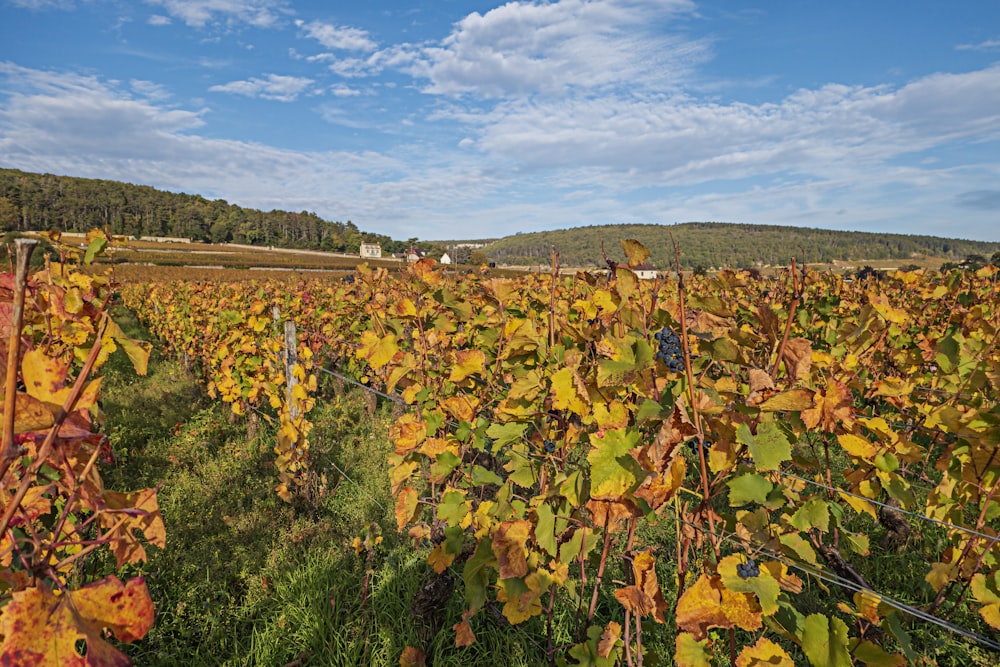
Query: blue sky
[448,119]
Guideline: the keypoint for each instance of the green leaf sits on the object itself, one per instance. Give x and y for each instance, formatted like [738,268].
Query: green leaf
[579,545]
[545,529]
[613,471]
[452,508]
[769,448]
[896,629]
[691,652]
[504,434]
[443,465]
[875,656]
[813,514]
[748,488]
[475,575]
[482,476]
[824,641]
[95,248]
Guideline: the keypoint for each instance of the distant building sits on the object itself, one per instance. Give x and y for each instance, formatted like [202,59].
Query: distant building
[645,272]
[414,255]
[371,251]
[446,259]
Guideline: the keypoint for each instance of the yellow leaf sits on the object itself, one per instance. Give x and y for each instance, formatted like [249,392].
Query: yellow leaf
[467,362]
[44,376]
[30,414]
[857,446]
[764,653]
[709,604]
[377,350]
[406,506]
[609,639]
[439,558]
[792,400]
[692,652]
[44,628]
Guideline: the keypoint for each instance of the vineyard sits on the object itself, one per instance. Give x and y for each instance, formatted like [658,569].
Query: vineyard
[710,471]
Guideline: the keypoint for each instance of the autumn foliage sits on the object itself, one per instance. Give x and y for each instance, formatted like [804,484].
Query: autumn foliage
[55,334]
[543,434]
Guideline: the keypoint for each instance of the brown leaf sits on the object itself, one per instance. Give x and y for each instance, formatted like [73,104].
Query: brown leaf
[143,512]
[831,408]
[510,540]
[797,357]
[609,639]
[412,657]
[761,387]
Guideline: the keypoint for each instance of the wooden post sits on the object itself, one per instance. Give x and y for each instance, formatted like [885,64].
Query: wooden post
[291,357]
[24,249]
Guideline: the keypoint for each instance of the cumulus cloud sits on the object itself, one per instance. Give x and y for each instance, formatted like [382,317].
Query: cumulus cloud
[338,37]
[271,87]
[199,13]
[555,48]
[157,19]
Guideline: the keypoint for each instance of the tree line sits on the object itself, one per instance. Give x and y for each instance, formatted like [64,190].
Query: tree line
[715,244]
[31,201]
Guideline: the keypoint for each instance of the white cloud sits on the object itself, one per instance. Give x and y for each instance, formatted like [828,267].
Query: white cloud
[988,45]
[338,37]
[271,87]
[157,19]
[558,48]
[340,90]
[678,139]
[42,4]
[198,13]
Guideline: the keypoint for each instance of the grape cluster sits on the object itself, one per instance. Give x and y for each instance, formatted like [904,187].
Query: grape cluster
[695,444]
[748,569]
[669,351]
[549,445]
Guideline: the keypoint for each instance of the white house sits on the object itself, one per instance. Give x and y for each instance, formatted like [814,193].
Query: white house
[371,251]
[645,272]
[446,259]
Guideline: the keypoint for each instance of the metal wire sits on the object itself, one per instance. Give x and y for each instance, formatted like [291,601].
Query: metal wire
[845,583]
[395,399]
[952,526]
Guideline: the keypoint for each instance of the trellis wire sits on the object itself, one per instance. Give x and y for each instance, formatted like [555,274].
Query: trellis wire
[952,526]
[733,538]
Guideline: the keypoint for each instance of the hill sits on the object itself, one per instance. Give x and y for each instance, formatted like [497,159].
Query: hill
[30,201]
[719,244]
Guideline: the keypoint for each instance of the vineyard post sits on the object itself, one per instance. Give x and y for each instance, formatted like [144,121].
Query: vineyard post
[291,358]
[24,250]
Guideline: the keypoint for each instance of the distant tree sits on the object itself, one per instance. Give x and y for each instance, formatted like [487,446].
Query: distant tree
[9,216]
[478,258]
[995,259]
[973,262]
[699,270]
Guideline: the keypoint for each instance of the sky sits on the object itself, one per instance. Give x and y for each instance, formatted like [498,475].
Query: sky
[447,119]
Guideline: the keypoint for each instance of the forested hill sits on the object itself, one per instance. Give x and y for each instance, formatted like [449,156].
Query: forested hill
[717,244]
[30,201]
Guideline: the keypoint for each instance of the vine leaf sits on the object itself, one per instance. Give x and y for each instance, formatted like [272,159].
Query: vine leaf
[42,628]
[987,591]
[824,641]
[764,653]
[143,511]
[645,597]
[412,657]
[613,470]
[509,540]
[467,362]
[709,604]
[635,252]
[691,652]
[769,447]
[377,350]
